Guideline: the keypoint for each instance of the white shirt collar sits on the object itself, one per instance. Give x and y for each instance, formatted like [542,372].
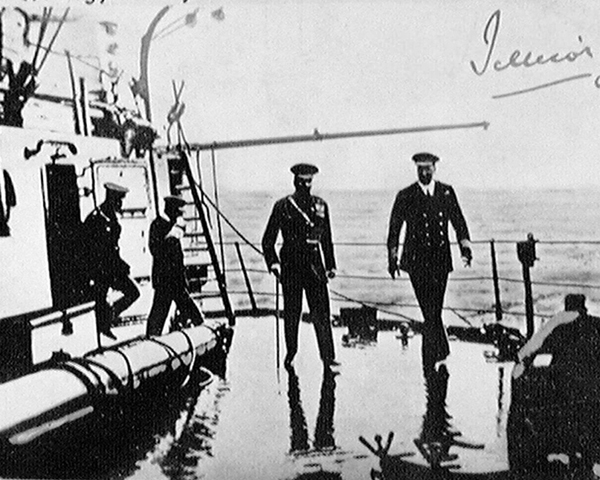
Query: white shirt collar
[428,189]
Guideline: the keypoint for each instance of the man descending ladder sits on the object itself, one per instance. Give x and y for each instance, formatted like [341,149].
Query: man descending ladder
[200,234]
[168,269]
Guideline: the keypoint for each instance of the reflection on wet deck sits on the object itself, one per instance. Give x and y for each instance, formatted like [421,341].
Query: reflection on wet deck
[306,423]
[255,421]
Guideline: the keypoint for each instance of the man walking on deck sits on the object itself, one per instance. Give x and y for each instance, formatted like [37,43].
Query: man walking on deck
[306,261]
[426,207]
[168,269]
[106,267]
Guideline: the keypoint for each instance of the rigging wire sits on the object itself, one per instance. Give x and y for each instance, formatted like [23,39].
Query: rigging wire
[52,40]
[207,202]
[476,312]
[216,192]
[42,32]
[211,204]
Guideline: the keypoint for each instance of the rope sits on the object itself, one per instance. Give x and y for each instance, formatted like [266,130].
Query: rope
[372,303]
[460,279]
[199,170]
[366,277]
[216,192]
[95,390]
[473,242]
[208,202]
[553,284]
[228,222]
[89,363]
[192,361]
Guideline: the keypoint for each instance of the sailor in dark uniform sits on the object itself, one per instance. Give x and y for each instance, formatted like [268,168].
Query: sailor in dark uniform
[306,261]
[427,207]
[168,270]
[106,267]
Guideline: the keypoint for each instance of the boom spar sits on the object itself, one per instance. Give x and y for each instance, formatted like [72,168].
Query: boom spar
[316,136]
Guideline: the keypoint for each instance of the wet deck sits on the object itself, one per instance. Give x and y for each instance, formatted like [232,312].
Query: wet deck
[255,421]
[269,424]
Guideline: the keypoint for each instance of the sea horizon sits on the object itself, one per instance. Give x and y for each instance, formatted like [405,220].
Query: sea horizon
[563,221]
[286,189]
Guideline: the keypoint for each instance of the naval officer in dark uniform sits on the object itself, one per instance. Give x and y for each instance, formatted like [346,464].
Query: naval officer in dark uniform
[168,270]
[427,206]
[305,262]
[106,267]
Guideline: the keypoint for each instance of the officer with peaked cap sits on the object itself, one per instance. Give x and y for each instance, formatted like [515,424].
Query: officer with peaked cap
[168,270]
[305,262]
[106,267]
[427,206]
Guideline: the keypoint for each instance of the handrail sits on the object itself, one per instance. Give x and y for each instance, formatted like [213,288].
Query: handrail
[475,311]
[473,242]
[341,296]
[495,278]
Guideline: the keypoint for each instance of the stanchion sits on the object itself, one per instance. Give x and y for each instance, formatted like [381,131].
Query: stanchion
[246,277]
[498,303]
[526,254]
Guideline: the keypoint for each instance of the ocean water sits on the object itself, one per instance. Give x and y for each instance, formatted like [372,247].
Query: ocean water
[257,421]
[566,224]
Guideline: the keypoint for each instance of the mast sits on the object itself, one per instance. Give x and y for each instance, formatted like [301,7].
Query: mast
[142,88]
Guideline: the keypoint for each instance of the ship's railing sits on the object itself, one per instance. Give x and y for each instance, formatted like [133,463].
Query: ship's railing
[499,287]
[492,290]
[486,297]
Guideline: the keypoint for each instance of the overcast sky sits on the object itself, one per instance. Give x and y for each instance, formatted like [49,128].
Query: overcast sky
[285,68]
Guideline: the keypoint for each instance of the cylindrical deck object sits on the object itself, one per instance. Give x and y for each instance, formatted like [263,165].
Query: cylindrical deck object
[69,391]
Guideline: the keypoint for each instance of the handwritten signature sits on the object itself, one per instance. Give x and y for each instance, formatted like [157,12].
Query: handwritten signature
[517,59]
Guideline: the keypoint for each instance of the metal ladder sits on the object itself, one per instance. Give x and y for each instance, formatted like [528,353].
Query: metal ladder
[200,235]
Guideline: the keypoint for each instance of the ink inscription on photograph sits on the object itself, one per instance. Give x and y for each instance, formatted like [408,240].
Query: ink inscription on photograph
[295,240]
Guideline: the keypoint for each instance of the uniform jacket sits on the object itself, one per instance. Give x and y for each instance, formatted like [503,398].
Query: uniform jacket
[101,234]
[168,270]
[306,232]
[426,243]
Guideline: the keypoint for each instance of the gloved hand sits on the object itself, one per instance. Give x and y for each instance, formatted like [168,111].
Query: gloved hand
[177,231]
[275,269]
[466,254]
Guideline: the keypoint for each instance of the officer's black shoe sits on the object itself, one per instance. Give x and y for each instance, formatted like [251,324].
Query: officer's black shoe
[289,359]
[108,333]
[331,363]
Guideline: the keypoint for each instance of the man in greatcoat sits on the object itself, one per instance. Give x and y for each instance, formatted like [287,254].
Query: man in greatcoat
[168,269]
[106,267]
[305,262]
[427,206]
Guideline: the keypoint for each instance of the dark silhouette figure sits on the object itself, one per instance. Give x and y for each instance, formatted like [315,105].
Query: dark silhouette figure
[555,409]
[305,263]
[437,433]
[427,207]
[106,267]
[324,429]
[299,430]
[168,270]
